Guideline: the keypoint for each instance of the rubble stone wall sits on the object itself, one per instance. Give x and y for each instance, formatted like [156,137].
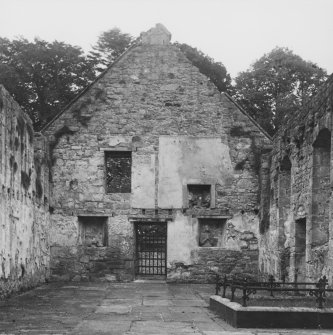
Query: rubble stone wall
[150,97]
[297,237]
[24,218]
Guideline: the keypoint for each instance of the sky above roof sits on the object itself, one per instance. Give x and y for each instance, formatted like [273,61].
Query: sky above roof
[234,32]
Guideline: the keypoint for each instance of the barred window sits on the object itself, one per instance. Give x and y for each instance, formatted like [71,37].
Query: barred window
[118,166]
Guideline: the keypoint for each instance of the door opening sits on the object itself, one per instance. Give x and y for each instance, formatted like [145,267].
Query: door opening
[151,249]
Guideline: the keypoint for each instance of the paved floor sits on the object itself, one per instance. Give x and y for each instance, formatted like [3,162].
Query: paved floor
[112,308]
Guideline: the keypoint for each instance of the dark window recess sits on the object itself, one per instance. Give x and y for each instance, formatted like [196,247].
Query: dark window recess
[94,231]
[118,171]
[199,196]
[300,249]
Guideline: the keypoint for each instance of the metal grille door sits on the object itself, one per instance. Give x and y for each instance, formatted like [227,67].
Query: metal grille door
[151,249]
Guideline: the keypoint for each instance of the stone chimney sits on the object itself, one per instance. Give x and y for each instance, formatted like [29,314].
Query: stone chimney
[157,35]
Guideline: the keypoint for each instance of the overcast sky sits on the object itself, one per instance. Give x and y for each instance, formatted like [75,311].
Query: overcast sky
[234,32]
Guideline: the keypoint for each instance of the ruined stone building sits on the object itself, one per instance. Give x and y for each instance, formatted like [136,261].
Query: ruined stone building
[154,172]
[24,200]
[296,240]
[150,171]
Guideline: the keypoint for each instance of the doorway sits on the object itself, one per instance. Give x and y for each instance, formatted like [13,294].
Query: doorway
[151,249]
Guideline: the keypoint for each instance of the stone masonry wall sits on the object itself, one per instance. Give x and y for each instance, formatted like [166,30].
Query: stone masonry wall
[297,239]
[150,94]
[24,218]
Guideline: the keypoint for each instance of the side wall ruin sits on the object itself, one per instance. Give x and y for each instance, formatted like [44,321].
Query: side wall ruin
[296,239]
[24,216]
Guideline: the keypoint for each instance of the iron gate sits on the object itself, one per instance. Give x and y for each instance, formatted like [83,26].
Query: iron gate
[151,249]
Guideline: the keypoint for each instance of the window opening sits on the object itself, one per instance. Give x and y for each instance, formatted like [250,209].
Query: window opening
[118,171]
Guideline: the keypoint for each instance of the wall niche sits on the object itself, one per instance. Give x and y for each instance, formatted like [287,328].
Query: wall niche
[93,231]
[212,232]
[199,196]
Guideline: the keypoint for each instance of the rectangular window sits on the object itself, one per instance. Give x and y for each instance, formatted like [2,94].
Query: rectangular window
[118,165]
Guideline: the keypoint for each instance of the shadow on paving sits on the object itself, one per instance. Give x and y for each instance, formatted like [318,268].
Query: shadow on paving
[118,308]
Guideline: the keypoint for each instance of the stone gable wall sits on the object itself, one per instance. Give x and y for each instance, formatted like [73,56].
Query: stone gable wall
[279,251]
[24,248]
[151,92]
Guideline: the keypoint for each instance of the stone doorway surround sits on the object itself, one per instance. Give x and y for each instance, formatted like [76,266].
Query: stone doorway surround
[151,250]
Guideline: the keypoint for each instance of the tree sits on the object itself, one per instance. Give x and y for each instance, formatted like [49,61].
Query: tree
[43,77]
[215,71]
[277,85]
[110,45]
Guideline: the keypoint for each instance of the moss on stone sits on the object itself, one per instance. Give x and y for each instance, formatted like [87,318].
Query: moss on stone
[39,188]
[20,126]
[25,179]
[15,167]
[77,112]
[16,143]
[31,133]
[11,160]
[256,152]
[57,136]
[238,131]
[240,165]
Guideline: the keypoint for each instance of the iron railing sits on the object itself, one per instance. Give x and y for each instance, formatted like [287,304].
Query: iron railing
[318,289]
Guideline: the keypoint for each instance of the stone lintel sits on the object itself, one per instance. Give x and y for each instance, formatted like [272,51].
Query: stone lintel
[150,218]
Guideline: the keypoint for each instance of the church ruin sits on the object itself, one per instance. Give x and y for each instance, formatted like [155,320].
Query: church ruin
[151,172]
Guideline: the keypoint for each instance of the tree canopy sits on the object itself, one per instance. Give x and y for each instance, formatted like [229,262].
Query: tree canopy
[215,71]
[110,45]
[43,77]
[276,85]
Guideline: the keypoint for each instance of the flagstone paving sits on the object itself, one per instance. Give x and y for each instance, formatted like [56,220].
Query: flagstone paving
[138,308]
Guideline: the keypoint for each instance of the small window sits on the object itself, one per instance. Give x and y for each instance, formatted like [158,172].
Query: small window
[118,166]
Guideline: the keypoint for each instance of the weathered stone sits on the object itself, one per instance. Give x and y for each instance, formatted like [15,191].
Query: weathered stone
[299,201]
[76,278]
[24,217]
[181,135]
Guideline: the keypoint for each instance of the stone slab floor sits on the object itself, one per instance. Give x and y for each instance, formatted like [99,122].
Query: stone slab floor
[119,308]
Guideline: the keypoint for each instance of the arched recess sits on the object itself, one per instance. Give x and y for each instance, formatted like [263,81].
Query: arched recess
[321,188]
[284,210]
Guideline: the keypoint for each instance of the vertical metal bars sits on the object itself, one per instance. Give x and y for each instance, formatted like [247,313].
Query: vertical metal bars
[151,242]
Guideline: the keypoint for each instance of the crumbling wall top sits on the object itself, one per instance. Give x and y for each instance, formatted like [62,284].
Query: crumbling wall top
[156,35]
